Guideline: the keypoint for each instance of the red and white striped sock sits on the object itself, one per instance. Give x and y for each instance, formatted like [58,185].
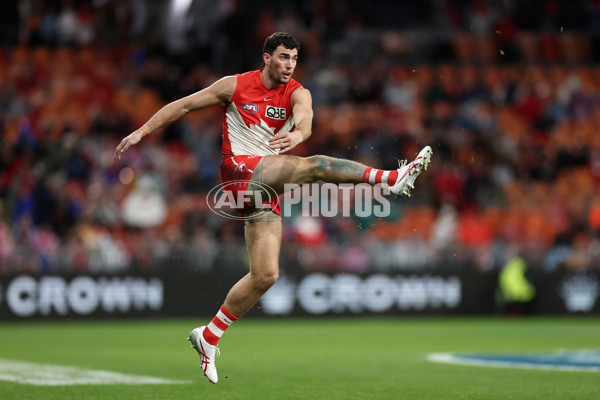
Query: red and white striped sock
[218,325]
[374,176]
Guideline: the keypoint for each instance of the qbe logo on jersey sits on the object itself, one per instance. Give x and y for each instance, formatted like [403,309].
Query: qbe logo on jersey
[275,112]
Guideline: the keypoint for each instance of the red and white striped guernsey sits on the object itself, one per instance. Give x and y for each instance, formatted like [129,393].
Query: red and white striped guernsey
[255,114]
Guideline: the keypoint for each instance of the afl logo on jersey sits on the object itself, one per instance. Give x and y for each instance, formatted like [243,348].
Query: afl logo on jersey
[250,107]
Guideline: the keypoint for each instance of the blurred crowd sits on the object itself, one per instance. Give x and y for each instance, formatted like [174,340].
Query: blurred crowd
[506,94]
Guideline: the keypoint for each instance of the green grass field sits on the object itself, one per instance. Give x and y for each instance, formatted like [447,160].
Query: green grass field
[367,358]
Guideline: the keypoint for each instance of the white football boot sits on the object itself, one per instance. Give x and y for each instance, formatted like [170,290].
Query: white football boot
[207,353]
[408,172]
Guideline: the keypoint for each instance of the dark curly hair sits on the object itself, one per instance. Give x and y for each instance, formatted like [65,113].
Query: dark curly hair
[280,38]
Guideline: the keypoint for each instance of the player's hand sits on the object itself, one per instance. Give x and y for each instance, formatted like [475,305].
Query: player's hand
[127,142]
[285,141]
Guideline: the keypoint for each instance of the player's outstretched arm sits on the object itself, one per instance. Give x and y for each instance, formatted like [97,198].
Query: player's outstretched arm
[219,92]
[303,115]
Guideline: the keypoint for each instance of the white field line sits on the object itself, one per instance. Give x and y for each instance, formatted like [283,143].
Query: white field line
[58,375]
[449,358]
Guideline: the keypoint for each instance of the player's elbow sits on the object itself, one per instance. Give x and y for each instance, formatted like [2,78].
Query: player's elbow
[184,108]
[173,111]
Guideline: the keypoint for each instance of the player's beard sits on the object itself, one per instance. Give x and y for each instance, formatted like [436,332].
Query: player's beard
[278,77]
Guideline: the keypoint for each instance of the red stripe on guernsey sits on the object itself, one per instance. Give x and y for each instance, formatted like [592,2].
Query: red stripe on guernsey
[392,178]
[228,314]
[226,144]
[366,174]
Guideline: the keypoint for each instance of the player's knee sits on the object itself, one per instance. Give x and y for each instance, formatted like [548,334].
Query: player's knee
[317,165]
[265,280]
